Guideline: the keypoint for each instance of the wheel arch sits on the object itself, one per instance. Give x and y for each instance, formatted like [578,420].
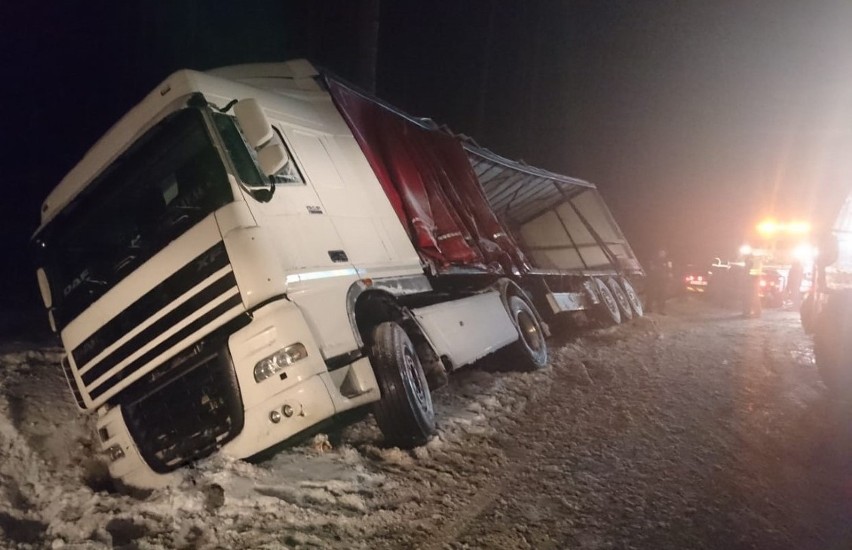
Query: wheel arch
[508,288]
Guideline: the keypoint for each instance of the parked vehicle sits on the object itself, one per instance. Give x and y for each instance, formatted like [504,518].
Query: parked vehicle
[726,282]
[773,286]
[251,251]
[695,279]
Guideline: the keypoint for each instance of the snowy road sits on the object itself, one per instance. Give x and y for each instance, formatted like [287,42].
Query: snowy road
[696,430]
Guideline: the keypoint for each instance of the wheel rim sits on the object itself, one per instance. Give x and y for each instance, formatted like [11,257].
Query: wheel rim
[530,332]
[608,300]
[621,298]
[411,371]
[632,297]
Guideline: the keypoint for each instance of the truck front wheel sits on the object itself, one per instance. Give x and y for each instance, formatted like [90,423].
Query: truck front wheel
[404,413]
[833,346]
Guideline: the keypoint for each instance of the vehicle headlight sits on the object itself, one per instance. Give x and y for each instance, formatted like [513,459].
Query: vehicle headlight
[278,361]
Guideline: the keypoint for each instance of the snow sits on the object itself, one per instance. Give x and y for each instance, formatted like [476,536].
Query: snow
[56,492]
[699,429]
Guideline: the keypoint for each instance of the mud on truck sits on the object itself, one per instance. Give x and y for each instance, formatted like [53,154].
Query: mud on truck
[256,249]
[827,308]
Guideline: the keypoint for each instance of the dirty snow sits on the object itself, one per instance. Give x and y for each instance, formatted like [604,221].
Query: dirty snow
[694,430]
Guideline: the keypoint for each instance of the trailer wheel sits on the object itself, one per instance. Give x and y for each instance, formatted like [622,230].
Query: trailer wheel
[833,347]
[621,299]
[632,297]
[529,352]
[606,311]
[404,413]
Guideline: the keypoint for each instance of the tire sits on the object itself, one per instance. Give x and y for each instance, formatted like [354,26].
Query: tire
[621,299]
[632,297]
[833,345]
[404,413]
[606,312]
[529,351]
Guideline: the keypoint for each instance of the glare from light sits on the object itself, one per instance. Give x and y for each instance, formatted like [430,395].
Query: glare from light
[770,227]
[767,227]
[798,228]
[805,253]
[745,250]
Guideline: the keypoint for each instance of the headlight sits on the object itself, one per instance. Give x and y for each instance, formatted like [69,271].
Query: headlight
[275,363]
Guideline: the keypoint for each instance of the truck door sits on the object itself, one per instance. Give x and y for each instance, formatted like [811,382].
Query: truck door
[318,266]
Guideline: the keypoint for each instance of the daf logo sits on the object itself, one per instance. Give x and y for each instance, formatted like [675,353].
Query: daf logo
[83,277]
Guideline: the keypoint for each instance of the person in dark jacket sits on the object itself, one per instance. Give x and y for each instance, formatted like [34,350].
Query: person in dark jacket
[659,272]
[752,271]
[794,284]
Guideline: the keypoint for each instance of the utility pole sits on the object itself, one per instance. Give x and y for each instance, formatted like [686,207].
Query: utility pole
[484,69]
[368,43]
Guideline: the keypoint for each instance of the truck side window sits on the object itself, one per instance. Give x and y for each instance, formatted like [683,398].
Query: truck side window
[241,154]
[290,172]
[245,159]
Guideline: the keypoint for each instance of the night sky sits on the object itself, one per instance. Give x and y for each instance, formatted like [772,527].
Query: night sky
[694,118]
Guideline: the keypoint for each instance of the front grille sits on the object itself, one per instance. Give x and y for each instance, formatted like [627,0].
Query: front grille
[69,377]
[203,281]
[188,414]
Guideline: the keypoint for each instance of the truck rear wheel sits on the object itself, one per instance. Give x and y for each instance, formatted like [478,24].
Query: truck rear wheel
[404,413]
[621,299]
[632,297]
[529,352]
[606,311]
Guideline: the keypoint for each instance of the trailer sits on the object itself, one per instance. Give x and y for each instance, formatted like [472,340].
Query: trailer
[254,250]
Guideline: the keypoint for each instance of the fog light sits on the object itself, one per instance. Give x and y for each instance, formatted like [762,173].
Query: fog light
[287,410]
[275,363]
[115,453]
[275,417]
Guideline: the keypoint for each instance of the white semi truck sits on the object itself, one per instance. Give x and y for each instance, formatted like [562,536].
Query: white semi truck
[256,249]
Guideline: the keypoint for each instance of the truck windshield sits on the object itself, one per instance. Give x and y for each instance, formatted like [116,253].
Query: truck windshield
[168,181]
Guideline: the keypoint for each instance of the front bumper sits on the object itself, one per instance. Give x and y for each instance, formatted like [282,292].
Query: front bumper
[309,400]
[302,388]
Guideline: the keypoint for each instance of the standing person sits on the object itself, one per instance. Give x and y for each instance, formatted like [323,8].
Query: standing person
[794,284]
[659,273]
[752,270]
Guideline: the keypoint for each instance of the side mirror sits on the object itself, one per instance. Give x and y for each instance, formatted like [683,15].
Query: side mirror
[272,158]
[271,153]
[828,250]
[256,127]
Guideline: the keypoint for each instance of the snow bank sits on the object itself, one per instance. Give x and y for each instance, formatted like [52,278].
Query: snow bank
[55,492]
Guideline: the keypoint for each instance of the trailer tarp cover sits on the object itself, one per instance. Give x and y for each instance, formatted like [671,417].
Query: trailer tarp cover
[457,199]
[430,182]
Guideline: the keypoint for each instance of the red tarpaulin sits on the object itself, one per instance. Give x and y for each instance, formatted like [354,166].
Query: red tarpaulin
[429,181]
